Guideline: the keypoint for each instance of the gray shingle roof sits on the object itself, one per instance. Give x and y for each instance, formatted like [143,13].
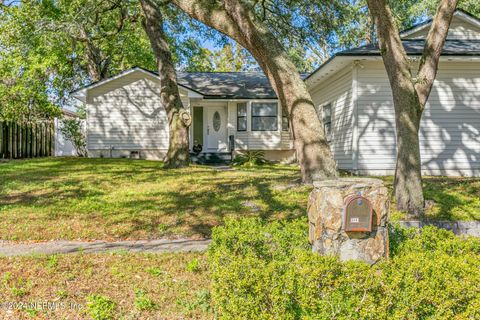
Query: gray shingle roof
[255,85]
[415,47]
[228,85]
[232,85]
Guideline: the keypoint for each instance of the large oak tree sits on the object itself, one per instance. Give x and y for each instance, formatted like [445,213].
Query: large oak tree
[237,19]
[410,93]
[178,118]
[49,48]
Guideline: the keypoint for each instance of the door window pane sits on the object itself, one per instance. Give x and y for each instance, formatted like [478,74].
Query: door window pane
[216,121]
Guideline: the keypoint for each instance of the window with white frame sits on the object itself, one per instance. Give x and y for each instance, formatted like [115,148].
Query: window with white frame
[242,116]
[264,116]
[327,120]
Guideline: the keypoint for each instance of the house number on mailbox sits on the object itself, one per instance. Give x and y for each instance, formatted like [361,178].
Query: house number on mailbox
[358,214]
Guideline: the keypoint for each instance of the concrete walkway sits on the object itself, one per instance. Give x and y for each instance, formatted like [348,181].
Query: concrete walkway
[8,248]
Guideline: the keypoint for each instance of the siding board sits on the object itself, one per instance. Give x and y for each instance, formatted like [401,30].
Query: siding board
[449,130]
[338,90]
[126,114]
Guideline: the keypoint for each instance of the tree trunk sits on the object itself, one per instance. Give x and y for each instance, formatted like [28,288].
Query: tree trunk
[408,178]
[96,66]
[410,94]
[237,20]
[178,118]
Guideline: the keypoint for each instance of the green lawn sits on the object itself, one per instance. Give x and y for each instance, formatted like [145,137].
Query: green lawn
[71,198]
[125,286]
[453,198]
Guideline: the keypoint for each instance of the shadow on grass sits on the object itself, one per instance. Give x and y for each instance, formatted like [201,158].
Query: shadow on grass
[126,198]
[197,211]
[454,197]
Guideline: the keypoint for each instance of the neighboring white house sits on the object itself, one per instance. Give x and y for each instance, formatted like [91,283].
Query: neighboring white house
[353,86]
[63,146]
[351,92]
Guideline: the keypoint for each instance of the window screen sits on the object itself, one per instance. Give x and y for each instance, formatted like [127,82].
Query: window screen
[264,116]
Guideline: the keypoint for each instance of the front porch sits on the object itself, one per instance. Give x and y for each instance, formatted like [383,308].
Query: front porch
[209,129]
[221,128]
[212,158]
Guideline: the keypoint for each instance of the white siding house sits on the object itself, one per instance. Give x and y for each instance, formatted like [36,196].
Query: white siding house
[351,91]
[125,117]
[463,27]
[449,130]
[337,95]
[363,119]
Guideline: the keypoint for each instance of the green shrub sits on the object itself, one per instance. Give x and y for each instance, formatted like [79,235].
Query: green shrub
[253,237]
[100,307]
[249,159]
[73,130]
[267,271]
[430,239]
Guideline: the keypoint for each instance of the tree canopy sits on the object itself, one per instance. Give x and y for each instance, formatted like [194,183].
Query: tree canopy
[50,47]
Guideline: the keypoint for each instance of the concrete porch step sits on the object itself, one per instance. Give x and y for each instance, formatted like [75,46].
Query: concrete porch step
[211,158]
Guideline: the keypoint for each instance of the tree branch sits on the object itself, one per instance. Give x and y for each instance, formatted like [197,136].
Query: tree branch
[211,15]
[437,35]
[389,41]
[6,4]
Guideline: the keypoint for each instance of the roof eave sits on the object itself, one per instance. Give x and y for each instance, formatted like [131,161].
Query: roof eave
[465,16]
[69,113]
[233,97]
[340,61]
[319,75]
[81,93]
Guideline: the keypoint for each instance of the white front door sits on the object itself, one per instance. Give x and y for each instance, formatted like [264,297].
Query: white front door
[216,129]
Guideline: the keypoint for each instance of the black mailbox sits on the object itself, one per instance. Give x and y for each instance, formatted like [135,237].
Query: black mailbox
[358,214]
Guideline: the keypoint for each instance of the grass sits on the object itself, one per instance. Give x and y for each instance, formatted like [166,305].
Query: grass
[454,198]
[74,198]
[102,286]
[70,198]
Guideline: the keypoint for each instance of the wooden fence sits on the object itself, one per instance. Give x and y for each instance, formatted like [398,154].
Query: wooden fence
[26,140]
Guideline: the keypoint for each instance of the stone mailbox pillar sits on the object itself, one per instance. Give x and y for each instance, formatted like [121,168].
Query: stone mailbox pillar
[348,218]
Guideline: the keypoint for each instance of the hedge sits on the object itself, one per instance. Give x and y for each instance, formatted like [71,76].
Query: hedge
[267,271]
